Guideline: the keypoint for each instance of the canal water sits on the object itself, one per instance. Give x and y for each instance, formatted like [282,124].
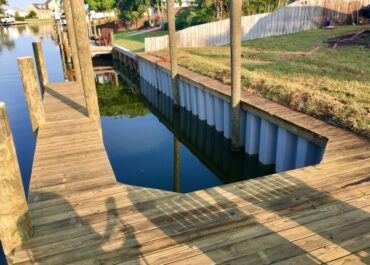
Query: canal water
[140,134]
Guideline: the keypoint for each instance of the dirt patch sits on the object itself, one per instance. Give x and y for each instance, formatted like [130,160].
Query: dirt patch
[285,58]
[361,38]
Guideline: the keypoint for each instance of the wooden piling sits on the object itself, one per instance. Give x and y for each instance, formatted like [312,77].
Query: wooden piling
[84,56]
[15,226]
[235,36]
[32,92]
[40,65]
[173,50]
[62,55]
[94,30]
[72,40]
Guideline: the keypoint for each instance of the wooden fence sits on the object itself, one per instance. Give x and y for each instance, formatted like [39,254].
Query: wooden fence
[298,16]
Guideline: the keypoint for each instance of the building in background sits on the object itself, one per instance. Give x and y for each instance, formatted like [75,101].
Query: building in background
[47,9]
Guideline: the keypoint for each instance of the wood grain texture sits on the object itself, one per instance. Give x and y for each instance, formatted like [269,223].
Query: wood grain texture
[81,215]
[41,66]
[32,92]
[15,226]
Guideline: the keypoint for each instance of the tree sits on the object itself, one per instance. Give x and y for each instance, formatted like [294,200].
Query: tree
[101,5]
[31,14]
[131,10]
[2,2]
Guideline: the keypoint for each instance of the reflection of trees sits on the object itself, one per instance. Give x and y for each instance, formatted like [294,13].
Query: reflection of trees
[5,41]
[21,29]
[115,101]
[34,29]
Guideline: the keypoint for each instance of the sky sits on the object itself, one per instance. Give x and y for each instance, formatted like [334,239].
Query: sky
[22,4]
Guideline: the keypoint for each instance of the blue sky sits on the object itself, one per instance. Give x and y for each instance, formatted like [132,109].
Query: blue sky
[23,3]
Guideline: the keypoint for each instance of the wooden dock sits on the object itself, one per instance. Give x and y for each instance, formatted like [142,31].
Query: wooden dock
[99,50]
[80,214]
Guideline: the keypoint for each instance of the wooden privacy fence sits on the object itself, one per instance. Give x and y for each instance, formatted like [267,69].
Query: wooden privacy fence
[298,16]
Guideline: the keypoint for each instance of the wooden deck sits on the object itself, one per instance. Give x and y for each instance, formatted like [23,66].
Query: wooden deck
[99,50]
[81,215]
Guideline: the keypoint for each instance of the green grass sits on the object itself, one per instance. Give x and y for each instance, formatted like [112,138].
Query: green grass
[135,43]
[331,84]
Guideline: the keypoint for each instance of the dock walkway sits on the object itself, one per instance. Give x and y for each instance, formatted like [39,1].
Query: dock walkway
[81,215]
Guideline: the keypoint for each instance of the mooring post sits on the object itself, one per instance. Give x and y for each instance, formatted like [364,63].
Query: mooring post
[41,66]
[72,40]
[62,55]
[32,92]
[66,48]
[173,50]
[84,56]
[235,36]
[15,226]
[94,31]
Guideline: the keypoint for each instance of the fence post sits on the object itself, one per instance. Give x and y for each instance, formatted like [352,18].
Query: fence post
[32,92]
[72,40]
[84,56]
[235,40]
[15,226]
[41,66]
[173,50]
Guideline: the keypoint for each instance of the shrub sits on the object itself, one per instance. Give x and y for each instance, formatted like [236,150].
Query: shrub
[146,24]
[31,14]
[19,18]
[165,25]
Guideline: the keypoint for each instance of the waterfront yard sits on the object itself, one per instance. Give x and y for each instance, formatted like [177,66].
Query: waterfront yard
[135,43]
[300,70]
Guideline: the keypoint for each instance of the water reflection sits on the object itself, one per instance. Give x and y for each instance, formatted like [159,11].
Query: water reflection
[152,145]
[16,41]
[36,31]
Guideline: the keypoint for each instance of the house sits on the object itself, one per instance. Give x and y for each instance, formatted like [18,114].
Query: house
[47,9]
[55,5]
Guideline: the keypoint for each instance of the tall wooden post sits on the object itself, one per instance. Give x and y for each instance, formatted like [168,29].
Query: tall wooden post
[41,66]
[15,226]
[84,56]
[62,55]
[235,30]
[173,50]
[72,40]
[94,27]
[32,92]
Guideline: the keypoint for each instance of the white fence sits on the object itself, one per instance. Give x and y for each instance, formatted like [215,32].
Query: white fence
[298,16]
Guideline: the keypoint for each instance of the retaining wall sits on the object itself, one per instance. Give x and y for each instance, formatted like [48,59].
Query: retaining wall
[275,144]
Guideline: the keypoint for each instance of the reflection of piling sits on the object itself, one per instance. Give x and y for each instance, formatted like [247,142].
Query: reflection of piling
[15,225]
[72,40]
[235,23]
[84,56]
[40,64]
[176,163]
[176,146]
[32,92]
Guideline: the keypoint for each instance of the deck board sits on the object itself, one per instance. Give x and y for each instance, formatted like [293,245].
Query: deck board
[82,215]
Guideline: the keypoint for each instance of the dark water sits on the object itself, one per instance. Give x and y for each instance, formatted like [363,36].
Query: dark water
[138,136]
[16,42]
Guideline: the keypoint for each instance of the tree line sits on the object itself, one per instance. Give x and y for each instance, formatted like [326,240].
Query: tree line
[199,11]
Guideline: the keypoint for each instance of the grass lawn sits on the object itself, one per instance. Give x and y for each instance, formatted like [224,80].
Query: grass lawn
[331,84]
[135,43]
